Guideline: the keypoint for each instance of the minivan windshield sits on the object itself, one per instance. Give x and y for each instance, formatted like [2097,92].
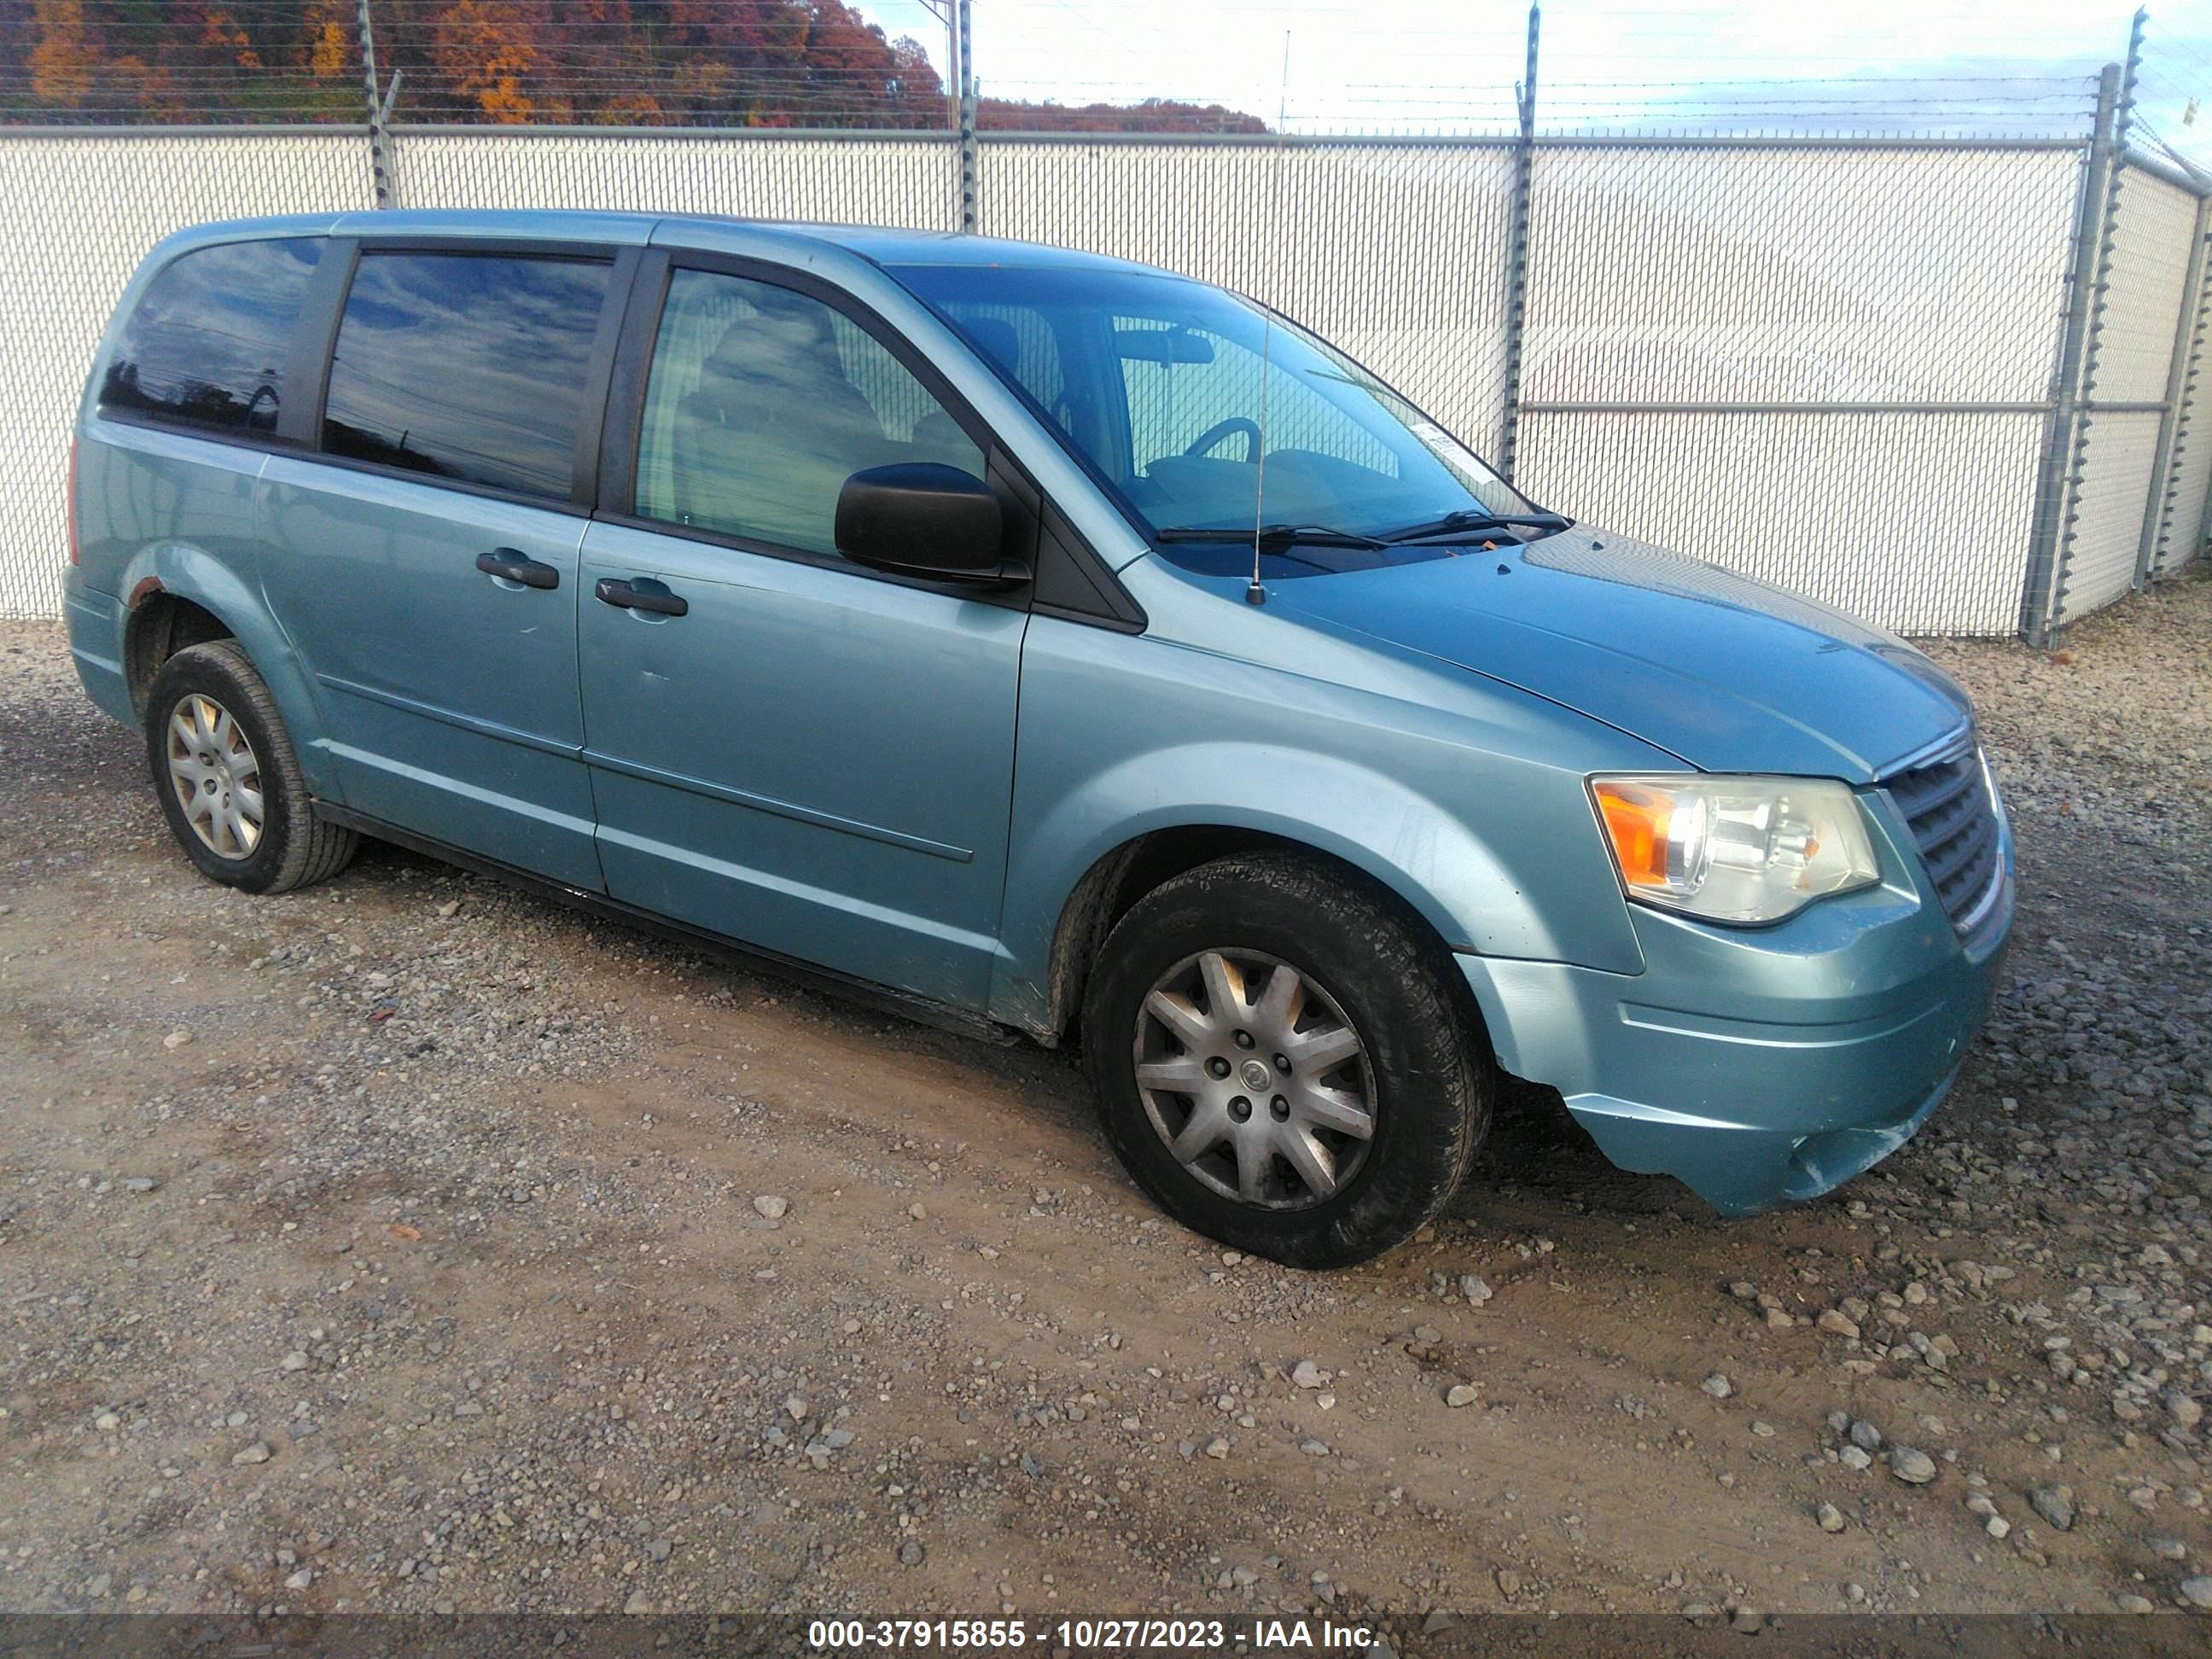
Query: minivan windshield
[1156,384]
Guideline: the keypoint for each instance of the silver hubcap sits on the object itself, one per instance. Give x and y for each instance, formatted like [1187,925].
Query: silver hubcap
[1254,1079]
[217,777]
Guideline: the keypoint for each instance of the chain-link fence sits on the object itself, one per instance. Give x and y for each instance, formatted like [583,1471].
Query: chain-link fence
[907,180]
[2136,473]
[1955,386]
[1822,365]
[1392,250]
[76,215]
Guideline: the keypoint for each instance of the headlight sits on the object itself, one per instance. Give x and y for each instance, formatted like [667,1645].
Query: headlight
[1734,849]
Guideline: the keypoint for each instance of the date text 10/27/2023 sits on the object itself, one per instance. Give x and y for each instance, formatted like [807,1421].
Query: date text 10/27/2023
[1090,1635]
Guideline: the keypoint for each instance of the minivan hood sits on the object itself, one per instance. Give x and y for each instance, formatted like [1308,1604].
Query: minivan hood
[1729,673]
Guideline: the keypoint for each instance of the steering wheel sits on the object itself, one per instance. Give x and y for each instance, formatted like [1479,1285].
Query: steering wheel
[1220,429]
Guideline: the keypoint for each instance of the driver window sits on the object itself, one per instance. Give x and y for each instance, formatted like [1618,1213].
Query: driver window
[761,402]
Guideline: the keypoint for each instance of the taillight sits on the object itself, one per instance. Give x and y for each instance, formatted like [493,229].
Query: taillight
[75,552]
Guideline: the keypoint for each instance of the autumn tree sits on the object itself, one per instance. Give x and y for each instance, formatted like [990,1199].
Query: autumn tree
[66,56]
[324,46]
[719,63]
[486,48]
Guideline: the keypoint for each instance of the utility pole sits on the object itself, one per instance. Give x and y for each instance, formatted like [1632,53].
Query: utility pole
[955,61]
[380,173]
[960,75]
[2058,475]
[1517,252]
[964,38]
[946,12]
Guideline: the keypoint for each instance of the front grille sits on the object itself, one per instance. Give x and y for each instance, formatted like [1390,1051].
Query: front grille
[1946,805]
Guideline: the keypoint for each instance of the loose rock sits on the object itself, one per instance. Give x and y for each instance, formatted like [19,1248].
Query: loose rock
[2055,1504]
[1914,1468]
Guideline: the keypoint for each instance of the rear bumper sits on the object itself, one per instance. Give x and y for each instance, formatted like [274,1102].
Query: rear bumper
[95,635]
[1759,1067]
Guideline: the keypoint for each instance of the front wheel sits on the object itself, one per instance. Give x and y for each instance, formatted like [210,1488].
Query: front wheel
[1279,1062]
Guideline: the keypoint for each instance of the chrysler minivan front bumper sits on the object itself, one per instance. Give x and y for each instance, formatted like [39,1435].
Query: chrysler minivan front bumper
[1760,1066]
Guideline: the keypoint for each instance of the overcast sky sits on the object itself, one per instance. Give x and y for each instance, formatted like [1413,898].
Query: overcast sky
[1435,65]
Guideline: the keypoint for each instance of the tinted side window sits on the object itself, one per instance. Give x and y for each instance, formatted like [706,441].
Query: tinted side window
[207,343]
[761,404]
[465,366]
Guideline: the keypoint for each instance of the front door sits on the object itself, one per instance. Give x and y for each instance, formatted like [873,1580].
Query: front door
[426,573]
[786,747]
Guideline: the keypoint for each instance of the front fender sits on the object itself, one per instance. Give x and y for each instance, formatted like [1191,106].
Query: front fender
[189,572]
[1432,858]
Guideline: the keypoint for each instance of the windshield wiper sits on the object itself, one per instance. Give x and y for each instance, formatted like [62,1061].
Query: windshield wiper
[1466,521]
[1273,535]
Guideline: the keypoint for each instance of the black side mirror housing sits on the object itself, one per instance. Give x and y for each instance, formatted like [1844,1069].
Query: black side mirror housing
[924,519]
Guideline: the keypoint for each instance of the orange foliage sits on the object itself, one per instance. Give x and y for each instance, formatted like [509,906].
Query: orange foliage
[486,47]
[324,46]
[762,62]
[63,63]
[331,51]
[222,30]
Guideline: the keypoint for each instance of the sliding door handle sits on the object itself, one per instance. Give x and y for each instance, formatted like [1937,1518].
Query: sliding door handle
[512,564]
[627,596]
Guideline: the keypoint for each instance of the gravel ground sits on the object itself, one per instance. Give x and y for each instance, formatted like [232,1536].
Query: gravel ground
[411,1244]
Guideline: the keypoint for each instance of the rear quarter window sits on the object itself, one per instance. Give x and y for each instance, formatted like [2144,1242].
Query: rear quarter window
[206,344]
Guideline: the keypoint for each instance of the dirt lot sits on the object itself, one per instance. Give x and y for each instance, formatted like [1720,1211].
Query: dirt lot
[395,1245]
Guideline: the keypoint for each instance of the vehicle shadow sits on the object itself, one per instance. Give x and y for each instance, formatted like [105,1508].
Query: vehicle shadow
[1537,1152]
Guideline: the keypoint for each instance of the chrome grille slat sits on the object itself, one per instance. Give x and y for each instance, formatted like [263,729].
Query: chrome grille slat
[1954,826]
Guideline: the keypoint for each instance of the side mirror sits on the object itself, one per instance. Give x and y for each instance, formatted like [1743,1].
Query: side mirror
[922,518]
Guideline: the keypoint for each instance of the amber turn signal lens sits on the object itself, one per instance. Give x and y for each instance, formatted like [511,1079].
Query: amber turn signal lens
[1637,821]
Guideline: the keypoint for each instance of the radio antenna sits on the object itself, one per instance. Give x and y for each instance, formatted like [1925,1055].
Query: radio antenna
[1256,594]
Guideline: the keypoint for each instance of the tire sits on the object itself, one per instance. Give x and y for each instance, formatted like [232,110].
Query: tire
[239,753]
[1361,966]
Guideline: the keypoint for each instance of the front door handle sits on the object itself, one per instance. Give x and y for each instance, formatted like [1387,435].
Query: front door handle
[512,564]
[624,596]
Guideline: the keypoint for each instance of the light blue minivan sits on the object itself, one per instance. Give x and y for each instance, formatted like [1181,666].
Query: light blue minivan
[1043,643]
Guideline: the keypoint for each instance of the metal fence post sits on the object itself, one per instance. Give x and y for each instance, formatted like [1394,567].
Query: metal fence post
[2062,448]
[2203,528]
[1517,256]
[2180,388]
[963,32]
[379,140]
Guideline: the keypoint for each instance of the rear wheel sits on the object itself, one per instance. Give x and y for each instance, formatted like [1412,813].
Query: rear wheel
[229,778]
[1280,1062]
